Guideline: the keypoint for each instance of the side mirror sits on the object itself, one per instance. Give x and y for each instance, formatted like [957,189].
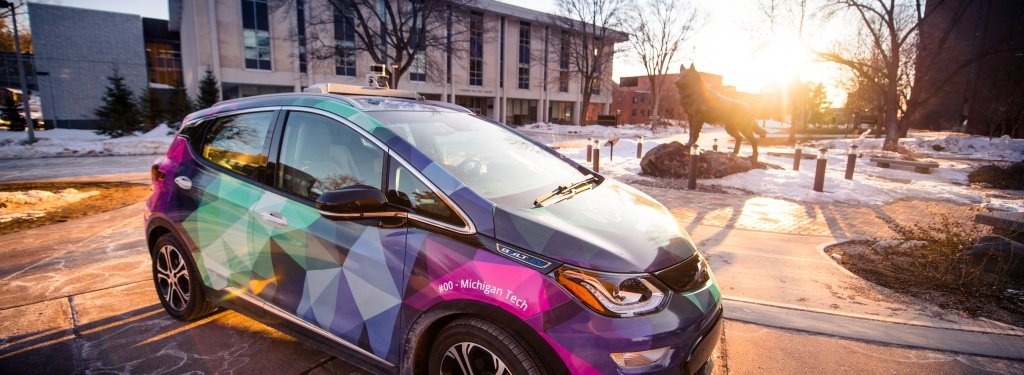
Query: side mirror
[351,201]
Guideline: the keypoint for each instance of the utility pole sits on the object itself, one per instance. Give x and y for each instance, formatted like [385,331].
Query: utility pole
[21,74]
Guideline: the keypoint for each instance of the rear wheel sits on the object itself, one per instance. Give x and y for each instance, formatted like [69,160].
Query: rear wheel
[177,281]
[476,346]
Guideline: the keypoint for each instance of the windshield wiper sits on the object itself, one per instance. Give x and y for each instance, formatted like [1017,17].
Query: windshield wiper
[564,192]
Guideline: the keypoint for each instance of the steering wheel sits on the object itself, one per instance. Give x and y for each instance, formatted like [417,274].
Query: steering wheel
[470,167]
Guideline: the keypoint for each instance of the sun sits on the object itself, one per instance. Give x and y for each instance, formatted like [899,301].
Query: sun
[783,59]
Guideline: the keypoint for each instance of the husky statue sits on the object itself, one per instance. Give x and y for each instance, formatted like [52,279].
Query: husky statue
[704,105]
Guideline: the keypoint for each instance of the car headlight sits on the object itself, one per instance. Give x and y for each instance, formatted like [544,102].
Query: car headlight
[614,295]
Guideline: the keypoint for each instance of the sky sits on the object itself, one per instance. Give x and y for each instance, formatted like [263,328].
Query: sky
[735,41]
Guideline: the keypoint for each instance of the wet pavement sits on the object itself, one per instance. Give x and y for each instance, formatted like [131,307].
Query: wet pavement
[71,168]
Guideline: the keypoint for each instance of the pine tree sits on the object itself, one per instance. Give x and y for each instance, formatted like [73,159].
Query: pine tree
[119,114]
[152,107]
[178,106]
[209,91]
[11,111]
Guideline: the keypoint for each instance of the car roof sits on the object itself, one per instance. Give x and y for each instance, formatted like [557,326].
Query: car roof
[303,99]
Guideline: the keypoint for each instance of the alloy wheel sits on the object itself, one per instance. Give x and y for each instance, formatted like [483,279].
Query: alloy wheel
[172,277]
[467,358]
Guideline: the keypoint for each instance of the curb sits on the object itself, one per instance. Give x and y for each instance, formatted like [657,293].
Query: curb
[948,340]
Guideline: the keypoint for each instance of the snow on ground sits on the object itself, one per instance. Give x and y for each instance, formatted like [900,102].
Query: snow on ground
[942,145]
[871,185]
[621,131]
[34,203]
[77,142]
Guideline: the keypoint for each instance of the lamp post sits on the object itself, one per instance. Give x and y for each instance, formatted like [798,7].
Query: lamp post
[21,73]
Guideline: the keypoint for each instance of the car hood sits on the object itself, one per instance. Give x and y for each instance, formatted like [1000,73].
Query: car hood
[611,228]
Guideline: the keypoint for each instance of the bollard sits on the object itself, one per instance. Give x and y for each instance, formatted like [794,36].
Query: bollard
[796,157]
[597,159]
[819,172]
[714,146]
[611,149]
[851,162]
[639,146]
[590,148]
[691,182]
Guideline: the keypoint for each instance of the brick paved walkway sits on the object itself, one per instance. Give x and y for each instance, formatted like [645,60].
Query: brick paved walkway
[814,219]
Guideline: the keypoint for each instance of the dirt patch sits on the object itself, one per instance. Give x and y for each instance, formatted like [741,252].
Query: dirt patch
[898,268]
[35,204]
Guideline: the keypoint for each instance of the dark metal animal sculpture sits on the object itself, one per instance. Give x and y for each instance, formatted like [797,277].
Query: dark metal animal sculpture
[704,105]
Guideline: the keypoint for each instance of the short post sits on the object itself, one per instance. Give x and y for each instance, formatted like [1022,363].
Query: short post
[691,182]
[597,159]
[714,146]
[819,172]
[639,146]
[590,148]
[851,162]
[796,157]
[611,148]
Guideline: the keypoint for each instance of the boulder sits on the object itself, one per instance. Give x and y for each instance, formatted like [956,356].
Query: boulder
[997,254]
[671,160]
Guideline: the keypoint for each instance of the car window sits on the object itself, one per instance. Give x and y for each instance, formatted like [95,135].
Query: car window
[239,143]
[319,154]
[496,163]
[407,190]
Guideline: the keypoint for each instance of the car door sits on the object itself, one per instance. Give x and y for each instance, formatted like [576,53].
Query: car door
[221,187]
[343,277]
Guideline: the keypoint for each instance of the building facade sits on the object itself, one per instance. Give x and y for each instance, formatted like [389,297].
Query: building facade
[633,101]
[512,69]
[75,50]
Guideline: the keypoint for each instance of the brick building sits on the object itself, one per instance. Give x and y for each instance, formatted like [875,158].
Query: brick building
[632,100]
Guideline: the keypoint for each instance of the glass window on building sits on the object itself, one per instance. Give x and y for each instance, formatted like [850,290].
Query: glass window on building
[524,55]
[344,42]
[476,49]
[563,81]
[560,112]
[256,34]
[521,112]
[239,90]
[300,21]
[418,69]
[563,62]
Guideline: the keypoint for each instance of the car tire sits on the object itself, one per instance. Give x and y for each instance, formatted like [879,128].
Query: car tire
[178,283]
[484,346]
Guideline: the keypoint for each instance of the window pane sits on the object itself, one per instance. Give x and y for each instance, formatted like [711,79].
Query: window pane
[319,155]
[238,143]
[494,162]
[406,190]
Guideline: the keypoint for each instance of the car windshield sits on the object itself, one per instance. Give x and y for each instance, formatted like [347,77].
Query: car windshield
[493,161]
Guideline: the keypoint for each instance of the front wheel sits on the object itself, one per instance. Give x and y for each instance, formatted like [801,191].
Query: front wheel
[177,281]
[476,346]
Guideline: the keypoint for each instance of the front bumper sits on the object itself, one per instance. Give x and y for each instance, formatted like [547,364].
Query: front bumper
[690,325]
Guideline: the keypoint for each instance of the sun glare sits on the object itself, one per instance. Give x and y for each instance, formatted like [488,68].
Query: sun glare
[782,60]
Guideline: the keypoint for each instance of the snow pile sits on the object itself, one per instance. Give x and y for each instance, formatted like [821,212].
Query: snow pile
[34,203]
[76,142]
[941,145]
[621,131]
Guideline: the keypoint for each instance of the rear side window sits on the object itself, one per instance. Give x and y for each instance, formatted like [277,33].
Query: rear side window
[240,143]
[319,155]
[406,190]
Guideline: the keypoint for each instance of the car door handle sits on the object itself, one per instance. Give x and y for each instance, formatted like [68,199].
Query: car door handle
[274,218]
[183,182]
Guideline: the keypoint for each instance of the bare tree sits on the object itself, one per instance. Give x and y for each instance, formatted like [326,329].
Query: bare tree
[884,51]
[398,34]
[593,29]
[660,27]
